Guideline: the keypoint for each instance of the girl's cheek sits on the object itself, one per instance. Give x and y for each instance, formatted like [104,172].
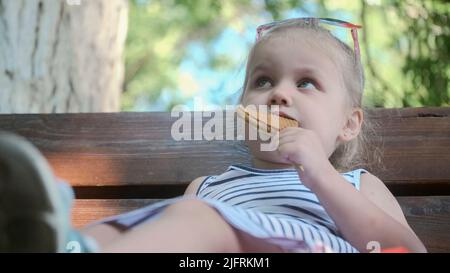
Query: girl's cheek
[245,97]
[255,98]
[248,99]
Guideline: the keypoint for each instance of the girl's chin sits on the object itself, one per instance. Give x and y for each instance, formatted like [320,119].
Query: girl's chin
[272,158]
[267,156]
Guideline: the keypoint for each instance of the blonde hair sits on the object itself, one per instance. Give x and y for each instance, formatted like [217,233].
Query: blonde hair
[358,152]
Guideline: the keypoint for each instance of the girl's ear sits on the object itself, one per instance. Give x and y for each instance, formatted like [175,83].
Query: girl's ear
[353,125]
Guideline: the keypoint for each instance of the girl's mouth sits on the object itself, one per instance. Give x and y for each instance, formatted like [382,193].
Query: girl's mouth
[283,114]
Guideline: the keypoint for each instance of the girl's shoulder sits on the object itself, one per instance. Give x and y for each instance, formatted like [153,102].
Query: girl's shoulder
[374,189]
[194,185]
[371,182]
[355,176]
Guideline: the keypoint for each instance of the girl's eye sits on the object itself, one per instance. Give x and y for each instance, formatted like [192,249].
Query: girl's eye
[306,84]
[262,83]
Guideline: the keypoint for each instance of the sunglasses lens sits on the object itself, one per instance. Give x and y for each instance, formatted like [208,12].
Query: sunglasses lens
[339,29]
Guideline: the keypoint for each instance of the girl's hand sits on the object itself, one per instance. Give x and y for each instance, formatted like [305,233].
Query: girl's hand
[301,146]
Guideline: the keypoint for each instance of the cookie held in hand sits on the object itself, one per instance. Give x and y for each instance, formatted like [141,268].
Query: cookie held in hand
[264,122]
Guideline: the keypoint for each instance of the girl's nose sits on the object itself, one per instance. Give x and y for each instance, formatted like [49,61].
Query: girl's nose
[280,97]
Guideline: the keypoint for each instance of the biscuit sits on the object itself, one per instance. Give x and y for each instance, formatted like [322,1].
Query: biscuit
[258,119]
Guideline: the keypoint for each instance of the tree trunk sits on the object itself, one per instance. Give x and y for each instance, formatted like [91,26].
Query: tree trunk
[61,56]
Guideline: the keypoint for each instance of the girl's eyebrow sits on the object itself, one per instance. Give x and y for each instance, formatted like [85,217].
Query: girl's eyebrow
[261,66]
[308,70]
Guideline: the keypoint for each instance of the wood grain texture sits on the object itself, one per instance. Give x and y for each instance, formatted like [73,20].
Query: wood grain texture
[429,217]
[122,161]
[115,149]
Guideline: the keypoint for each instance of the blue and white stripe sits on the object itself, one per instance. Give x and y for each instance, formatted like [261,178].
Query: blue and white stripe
[272,205]
[277,201]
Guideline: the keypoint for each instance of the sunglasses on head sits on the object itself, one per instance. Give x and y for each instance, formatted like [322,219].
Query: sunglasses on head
[314,21]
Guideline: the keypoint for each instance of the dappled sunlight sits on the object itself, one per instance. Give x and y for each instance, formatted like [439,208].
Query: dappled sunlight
[94,168]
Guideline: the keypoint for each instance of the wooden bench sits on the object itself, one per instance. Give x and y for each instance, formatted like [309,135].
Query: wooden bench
[121,161]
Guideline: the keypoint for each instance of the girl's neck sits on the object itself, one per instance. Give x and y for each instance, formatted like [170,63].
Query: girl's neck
[263,164]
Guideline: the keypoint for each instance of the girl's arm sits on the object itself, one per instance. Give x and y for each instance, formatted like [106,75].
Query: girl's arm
[371,215]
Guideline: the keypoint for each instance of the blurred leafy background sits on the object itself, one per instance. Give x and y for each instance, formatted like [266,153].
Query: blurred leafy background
[193,52]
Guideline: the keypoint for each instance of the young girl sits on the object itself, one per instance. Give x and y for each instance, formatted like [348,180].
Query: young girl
[272,206]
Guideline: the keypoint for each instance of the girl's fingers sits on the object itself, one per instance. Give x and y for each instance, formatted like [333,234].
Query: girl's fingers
[292,131]
[291,134]
[285,151]
[288,139]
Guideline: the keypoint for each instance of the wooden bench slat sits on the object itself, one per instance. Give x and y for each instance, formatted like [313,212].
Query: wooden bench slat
[409,112]
[123,161]
[87,211]
[113,149]
[428,216]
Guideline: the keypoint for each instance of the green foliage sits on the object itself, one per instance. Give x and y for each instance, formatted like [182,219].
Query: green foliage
[427,66]
[405,45]
[407,53]
[159,33]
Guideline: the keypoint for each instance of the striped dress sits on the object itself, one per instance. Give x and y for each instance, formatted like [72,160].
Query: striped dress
[269,204]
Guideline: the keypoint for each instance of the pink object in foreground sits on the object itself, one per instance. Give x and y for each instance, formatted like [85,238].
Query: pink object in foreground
[395,250]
